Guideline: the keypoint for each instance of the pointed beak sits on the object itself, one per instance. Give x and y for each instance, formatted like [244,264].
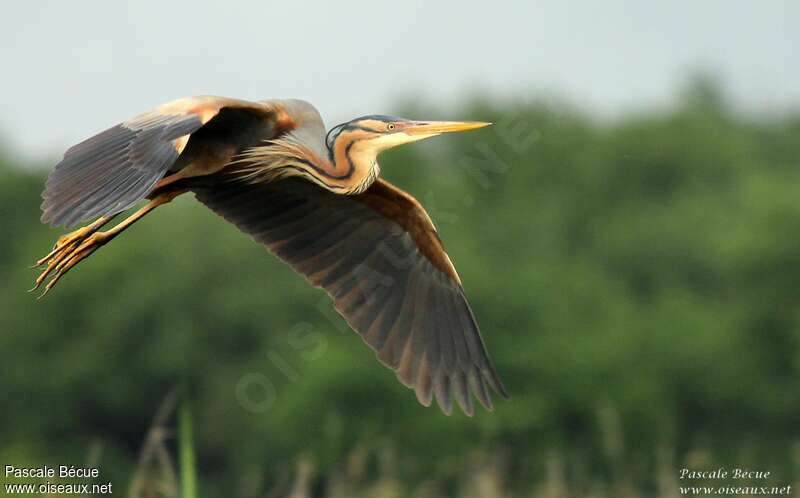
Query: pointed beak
[433,128]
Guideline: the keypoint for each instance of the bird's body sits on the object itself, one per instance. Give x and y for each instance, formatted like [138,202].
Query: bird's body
[313,198]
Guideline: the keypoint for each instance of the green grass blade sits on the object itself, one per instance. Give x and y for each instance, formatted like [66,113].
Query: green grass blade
[186,450]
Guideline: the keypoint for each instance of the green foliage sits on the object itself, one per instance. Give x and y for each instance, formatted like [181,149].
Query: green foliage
[645,268]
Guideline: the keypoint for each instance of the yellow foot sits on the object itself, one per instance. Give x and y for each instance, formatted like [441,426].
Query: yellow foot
[71,240]
[69,251]
[65,243]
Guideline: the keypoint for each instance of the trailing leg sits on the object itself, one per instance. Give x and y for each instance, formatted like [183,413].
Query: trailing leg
[80,244]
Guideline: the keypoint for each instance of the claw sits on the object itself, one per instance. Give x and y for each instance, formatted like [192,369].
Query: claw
[67,260]
[53,260]
[70,240]
[64,251]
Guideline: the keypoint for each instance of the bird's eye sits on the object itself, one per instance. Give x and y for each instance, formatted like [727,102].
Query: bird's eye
[390,126]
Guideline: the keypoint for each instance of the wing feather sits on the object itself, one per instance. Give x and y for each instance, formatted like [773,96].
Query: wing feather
[378,256]
[111,171]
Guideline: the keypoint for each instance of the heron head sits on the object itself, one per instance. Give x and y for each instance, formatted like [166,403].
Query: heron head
[377,133]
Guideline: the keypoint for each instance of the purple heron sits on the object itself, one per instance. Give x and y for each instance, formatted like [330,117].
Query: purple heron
[312,198]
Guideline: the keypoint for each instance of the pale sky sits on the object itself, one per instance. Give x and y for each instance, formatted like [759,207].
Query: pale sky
[73,68]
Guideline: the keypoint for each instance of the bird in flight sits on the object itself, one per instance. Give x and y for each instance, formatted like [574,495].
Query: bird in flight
[313,198]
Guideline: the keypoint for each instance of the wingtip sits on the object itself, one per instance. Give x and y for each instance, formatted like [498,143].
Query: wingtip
[493,379]
[502,390]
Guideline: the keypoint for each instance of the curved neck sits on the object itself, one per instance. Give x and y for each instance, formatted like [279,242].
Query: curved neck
[348,166]
[352,162]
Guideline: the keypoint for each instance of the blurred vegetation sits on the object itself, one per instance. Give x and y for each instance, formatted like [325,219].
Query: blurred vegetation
[636,279]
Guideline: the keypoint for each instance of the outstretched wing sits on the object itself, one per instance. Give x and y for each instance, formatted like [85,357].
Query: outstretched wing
[111,171]
[378,255]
